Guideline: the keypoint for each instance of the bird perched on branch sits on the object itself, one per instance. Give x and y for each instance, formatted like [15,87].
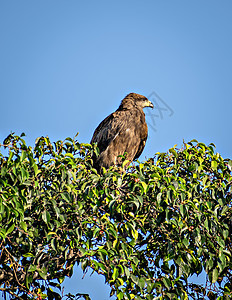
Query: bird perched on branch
[125,130]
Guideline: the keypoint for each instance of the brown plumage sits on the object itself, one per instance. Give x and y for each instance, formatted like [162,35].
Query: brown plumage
[125,130]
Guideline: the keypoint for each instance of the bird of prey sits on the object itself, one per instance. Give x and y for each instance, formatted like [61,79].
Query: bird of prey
[125,130]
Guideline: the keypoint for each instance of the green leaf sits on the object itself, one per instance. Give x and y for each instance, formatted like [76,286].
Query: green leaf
[103,251]
[127,272]
[173,152]
[23,226]
[43,273]
[3,233]
[32,268]
[113,232]
[209,264]
[36,169]
[214,165]
[182,210]
[115,274]
[141,283]
[23,155]
[135,234]
[111,204]
[225,234]
[214,275]
[46,216]
[61,279]
[230,165]
[53,244]
[185,242]
[28,255]
[206,223]
[144,185]
[167,282]
[222,263]
[221,242]
[135,279]
[120,295]
[65,196]
[193,141]
[10,229]
[11,154]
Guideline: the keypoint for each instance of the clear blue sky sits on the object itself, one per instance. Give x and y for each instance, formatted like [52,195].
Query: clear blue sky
[66,65]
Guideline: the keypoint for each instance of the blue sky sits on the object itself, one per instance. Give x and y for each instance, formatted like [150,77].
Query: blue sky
[66,65]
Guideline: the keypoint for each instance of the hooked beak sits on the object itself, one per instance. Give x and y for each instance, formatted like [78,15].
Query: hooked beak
[149,104]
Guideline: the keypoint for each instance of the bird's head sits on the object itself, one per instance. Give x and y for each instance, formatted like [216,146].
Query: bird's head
[133,99]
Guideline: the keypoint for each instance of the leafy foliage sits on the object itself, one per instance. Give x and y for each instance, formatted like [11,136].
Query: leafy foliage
[147,229]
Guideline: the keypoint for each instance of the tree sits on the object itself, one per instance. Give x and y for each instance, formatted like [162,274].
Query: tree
[147,229]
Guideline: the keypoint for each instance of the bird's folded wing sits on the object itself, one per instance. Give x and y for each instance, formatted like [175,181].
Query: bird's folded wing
[109,129]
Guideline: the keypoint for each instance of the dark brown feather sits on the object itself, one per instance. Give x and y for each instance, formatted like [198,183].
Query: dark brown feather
[125,130]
